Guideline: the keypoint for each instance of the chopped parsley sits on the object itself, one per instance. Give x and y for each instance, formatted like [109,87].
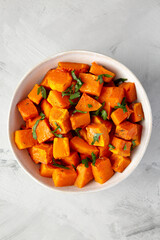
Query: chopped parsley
[36,124]
[122,105]
[90,105]
[96,138]
[93,158]
[100,77]
[43,91]
[111,147]
[59,165]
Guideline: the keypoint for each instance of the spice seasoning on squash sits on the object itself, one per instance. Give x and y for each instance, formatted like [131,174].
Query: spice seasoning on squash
[73,137]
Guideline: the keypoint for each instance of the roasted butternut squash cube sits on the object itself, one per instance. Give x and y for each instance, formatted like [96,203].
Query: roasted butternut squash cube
[60,117]
[97,135]
[55,99]
[81,146]
[41,153]
[34,96]
[61,148]
[98,119]
[137,114]
[130,91]
[116,96]
[83,134]
[44,82]
[85,175]
[118,116]
[136,140]
[121,147]
[72,159]
[79,120]
[27,109]
[46,170]
[104,97]
[77,67]
[126,130]
[119,163]
[97,69]
[102,171]
[46,107]
[24,139]
[64,177]
[59,80]
[43,131]
[90,84]
[87,103]
[30,122]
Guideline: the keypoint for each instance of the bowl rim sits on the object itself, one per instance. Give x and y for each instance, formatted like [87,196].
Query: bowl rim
[149,129]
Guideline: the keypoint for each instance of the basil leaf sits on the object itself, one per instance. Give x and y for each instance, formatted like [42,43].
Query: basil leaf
[104,114]
[122,105]
[68,91]
[74,95]
[93,158]
[96,138]
[90,105]
[79,82]
[111,147]
[85,162]
[43,91]
[59,165]
[79,111]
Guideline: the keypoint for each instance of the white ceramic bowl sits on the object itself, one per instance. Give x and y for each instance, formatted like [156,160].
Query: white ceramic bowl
[36,75]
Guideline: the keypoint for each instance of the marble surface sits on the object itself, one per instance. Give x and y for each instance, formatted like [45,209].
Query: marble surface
[128,31]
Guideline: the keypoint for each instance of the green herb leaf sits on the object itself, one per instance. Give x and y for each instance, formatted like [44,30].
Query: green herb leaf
[122,105]
[100,77]
[58,135]
[133,143]
[58,165]
[96,113]
[79,111]
[111,147]
[96,97]
[74,95]
[54,132]
[77,131]
[79,82]
[93,158]
[120,80]
[125,147]
[74,167]
[68,91]
[58,127]
[90,105]
[43,91]
[104,114]
[85,162]
[72,103]
[36,124]
[96,138]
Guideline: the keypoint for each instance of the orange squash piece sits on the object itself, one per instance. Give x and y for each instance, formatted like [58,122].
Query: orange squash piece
[121,147]
[46,170]
[137,137]
[30,122]
[27,109]
[87,103]
[43,131]
[85,175]
[98,70]
[102,171]
[98,119]
[72,159]
[104,152]
[81,146]
[70,66]
[104,97]
[41,153]
[46,107]
[79,120]
[116,96]
[126,130]
[118,116]
[34,96]
[59,80]
[64,177]
[119,163]
[61,148]
[138,114]
[92,130]
[90,84]
[55,99]
[130,91]
[60,117]
[44,82]
[83,134]
[24,139]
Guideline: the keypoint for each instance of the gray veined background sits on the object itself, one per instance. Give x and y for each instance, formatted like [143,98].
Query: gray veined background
[127,30]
